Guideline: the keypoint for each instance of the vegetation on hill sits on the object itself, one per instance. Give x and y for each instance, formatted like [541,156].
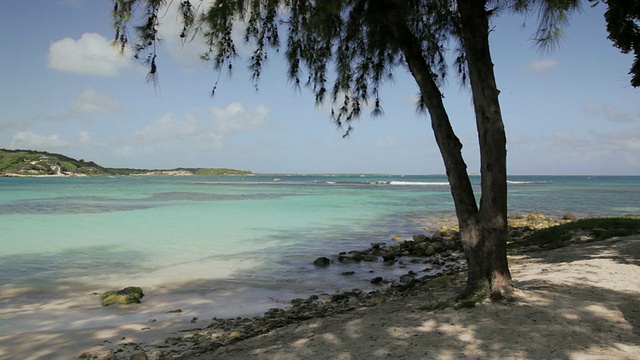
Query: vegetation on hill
[582,230]
[29,162]
[42,163]
[219,171]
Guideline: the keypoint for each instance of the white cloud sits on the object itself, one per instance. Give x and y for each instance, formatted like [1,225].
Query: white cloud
[91,101]
[92,54]
[170,134]
[86,141]
[543,66]
[594,152]
[168,128]
[30,140]
[611,113]
[388,142]
[234,118]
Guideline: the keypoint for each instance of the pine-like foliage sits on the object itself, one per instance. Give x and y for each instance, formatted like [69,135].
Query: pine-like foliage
[623,24]
[344,50]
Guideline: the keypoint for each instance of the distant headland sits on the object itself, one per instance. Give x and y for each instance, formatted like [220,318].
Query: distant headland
[15,163]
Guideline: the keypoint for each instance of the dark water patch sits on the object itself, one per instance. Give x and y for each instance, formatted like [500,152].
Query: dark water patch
[201,196]
[97,204]
[68,206]
[66,265]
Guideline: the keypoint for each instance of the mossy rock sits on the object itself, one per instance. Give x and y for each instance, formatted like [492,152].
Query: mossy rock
[441,282]
[128,295]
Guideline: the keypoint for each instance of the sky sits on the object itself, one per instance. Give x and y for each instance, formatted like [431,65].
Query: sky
[65,89]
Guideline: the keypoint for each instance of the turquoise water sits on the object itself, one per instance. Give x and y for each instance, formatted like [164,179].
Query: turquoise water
[65,236]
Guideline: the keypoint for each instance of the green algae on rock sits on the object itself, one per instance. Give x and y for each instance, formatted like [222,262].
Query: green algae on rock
[128,295]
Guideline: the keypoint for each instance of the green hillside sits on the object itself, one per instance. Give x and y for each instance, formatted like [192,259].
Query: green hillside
[41,163]
[29,162]
[219,171]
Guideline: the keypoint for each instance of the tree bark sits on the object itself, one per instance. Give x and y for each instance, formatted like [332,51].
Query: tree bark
[483,230]
[487,257]
[448,143]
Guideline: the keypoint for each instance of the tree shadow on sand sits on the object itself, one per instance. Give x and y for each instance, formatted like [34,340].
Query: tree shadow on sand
[623,250]
[582,301]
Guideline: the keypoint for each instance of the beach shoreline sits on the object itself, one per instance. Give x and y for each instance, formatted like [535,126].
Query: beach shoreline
[156,329]
[576,302]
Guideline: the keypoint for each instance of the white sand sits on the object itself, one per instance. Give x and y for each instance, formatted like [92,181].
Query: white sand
[578,302]
[64,329]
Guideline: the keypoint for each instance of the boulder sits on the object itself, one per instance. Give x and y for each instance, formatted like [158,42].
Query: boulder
[322,261]
[351,258]
[420,238]
[407,278]
[369,258]
[139,356]
[440,282]
[388,257]
[128,295]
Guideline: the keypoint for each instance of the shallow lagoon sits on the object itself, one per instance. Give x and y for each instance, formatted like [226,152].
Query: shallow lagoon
[225,246]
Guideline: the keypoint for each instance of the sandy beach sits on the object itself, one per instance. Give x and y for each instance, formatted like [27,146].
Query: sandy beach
[577,302]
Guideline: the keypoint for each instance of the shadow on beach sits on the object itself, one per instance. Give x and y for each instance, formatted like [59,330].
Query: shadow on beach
[582,301]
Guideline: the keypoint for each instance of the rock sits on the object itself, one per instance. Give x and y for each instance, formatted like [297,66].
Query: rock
[348,273]
[430,250]
[388,257]
[322,261]
[139,356]
[420,238]
[407,278]
[376,280]
[378,245]
[569,217]
[397,238]
[349,259]
[174,311]
[450,245]
[441,282]
[172,341]
[128,295]
[535,217]
[370,258]
[236,335]
[297,302]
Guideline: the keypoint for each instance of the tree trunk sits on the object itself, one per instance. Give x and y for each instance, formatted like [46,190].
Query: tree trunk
[487,257]
[483,231]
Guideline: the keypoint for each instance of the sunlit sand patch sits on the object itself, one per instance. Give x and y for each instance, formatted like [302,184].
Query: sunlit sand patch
[331,338]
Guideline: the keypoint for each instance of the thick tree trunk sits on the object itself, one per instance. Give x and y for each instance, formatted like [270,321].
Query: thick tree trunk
[488,256]
[484,230]
[448,143]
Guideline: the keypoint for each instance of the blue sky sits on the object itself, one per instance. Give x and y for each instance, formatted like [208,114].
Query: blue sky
[64,89]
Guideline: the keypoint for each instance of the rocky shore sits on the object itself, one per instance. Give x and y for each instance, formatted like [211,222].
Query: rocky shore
[440,255]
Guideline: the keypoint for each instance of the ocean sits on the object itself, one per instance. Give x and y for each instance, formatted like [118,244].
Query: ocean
[227,245]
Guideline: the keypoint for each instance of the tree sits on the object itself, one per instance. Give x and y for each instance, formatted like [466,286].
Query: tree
[623,24]
[364,41]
